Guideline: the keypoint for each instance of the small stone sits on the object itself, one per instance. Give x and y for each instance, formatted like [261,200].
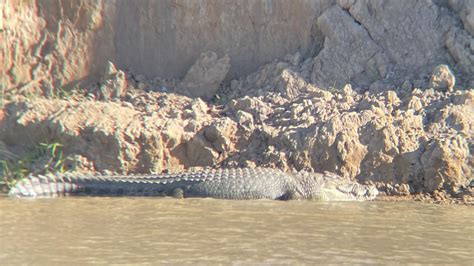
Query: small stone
[415,104]
[404,190]
[199,106]
[245,119]
[220,134]
[127,104]
[110,69]
[295,59]
[142,86]
[347,90]
[113,83]
[442,79]
[392,98]
[407,85]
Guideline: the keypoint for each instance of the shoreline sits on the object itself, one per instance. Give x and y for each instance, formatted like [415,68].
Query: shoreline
[439,198]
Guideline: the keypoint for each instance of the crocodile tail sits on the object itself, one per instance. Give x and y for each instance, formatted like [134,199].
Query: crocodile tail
[49,185]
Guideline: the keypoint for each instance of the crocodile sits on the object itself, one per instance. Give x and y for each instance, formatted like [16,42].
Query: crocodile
[223,183]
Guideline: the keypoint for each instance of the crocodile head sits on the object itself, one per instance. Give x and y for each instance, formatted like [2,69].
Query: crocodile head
[355,191]
[332,187]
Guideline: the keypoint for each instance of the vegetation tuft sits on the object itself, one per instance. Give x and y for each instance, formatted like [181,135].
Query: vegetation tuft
[44,158]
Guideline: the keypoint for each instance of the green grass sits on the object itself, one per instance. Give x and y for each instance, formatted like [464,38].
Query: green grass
[44,158]
[333,89]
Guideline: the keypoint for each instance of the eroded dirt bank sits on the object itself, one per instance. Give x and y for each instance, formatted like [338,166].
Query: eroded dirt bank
[381,93]
[406,141]
[60,44]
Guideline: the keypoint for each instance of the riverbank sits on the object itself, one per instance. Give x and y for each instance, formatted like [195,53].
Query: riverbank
[411,143]
[438,197]
[312,85]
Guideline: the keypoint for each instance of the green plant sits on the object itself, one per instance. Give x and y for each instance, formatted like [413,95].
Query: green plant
[55,154]
[44,158]
[10,173]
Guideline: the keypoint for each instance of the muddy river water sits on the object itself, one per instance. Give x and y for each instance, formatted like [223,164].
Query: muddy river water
[151,230]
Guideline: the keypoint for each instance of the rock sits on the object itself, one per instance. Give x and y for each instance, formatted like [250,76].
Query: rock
[460,47]
[404,190]
[294,59]
[245,119]
[221,134]
[397,189]
[343,36]
[199,153]
[290,85]
[142,86]
[256,107]
[114,83]
[205,76]
[442,78]
[198,108]
[443,163]
[405,47]
[347,90]
[465,9]
[415,104]
[392,98]
[350,151]
[407,85]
